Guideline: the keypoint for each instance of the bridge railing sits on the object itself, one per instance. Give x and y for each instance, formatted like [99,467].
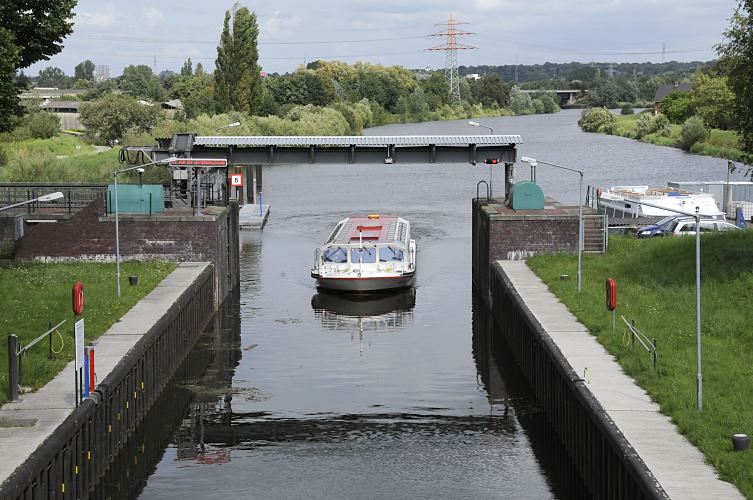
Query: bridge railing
[75,196]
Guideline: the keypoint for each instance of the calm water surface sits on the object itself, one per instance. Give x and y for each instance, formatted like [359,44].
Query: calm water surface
[296,394]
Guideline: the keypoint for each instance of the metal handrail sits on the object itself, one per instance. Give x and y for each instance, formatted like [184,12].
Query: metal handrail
[647,344]
[478,185]
[38,339]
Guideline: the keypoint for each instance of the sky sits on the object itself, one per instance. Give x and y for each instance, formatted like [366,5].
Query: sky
[164,33]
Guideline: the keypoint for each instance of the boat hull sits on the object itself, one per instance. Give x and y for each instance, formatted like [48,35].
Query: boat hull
[365,284]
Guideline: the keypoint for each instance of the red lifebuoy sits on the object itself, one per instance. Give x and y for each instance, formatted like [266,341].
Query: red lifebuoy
[78,298]
[611,294]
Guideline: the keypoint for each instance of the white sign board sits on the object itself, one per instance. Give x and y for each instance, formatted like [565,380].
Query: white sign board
[79,329]
[236,180]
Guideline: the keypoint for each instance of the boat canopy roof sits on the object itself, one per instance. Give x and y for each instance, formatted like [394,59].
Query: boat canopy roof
[370,229]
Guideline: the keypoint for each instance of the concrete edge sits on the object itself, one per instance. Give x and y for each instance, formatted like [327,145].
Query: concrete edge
[602,419]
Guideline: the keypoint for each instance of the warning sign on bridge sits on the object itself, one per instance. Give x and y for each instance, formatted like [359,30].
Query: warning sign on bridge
[236,180]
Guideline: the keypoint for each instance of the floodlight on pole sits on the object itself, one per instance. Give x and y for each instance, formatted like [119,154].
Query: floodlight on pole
[140,169]
[44,198]
[491,130]
[533,162]
[697,216]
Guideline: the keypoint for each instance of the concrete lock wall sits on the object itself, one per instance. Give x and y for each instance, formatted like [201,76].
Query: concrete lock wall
[607,464]
[515,237]
[71,461]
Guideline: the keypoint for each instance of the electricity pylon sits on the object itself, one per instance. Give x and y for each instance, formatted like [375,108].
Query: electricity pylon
[451,48]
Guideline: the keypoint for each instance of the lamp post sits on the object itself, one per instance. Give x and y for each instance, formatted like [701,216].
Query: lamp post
[697,216]
[140,169]
[47,197]
[491,169]
[533,162]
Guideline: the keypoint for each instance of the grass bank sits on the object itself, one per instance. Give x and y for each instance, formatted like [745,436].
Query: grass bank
[34,294]
[719,144]
[656,287]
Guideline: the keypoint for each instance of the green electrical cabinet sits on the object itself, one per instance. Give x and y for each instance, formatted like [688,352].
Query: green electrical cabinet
[526,195]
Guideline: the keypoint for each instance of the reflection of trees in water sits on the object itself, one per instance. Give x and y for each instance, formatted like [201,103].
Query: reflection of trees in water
[505,386]
[200,390]
[250,264]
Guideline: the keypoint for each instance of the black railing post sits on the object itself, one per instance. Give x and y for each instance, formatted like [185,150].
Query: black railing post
[150,204]
[70,204]
[49,327]
[654,354]
[12,367]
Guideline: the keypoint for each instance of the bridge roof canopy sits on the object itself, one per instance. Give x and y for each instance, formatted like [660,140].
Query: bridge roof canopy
[365,140]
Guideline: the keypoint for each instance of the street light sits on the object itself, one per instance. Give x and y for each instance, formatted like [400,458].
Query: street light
[697,216]
[140,169]
[229,125]
[533,162]
[491,169]
[47,197]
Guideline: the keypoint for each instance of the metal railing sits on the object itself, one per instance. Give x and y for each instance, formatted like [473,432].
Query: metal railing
[634,333]
[15,352]
[75,195]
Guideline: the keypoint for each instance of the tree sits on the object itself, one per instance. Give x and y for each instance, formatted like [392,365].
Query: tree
[491,88]
[596,119]
[238,75]
[139,81]
[199,69]
[84,70]
[196,93]
[737,59]
[31,31]
[713,100]
[187,69]
[111,116]
[52,76]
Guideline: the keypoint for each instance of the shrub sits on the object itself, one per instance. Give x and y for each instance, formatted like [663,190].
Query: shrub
[693,131]
[651,124]
[42,125]
[596,119]
[627,109]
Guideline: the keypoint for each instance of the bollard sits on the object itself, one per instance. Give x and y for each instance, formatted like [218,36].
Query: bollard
[654,354]
[49,337]
[12,367]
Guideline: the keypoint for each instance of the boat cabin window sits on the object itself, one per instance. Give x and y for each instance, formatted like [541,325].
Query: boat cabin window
[337,255]
[365,255]
[390,254]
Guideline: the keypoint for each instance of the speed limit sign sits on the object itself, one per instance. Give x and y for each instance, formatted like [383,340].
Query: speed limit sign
[236,180]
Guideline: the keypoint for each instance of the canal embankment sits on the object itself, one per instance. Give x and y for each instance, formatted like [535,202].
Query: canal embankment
[622,444]
[51,447]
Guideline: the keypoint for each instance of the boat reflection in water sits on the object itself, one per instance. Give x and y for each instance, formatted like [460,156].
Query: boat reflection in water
[379,312]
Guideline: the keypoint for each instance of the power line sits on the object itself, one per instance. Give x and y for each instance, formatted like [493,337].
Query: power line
[133,39]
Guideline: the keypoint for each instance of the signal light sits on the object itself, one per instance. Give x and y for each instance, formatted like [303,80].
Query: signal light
[491,161]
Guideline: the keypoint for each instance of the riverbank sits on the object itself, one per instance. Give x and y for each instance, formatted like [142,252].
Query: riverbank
[656,287]
[719,144]
[33,295]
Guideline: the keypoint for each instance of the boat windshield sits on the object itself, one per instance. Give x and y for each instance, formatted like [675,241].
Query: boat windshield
[337,255]
[390,254]
[365,255]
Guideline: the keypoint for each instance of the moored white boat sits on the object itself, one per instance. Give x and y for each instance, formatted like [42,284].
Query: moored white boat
[625,202]
[367,254]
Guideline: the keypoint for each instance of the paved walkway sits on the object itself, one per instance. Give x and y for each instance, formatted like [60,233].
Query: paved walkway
[50,406]
[676,463]
[251,217]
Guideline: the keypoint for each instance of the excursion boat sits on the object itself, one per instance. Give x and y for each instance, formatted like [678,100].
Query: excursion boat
[367,254]
[625,202]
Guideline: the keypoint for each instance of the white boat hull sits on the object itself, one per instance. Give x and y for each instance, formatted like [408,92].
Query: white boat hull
[366,283]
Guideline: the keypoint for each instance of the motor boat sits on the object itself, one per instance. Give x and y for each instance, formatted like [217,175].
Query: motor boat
[626,202]
[369,253]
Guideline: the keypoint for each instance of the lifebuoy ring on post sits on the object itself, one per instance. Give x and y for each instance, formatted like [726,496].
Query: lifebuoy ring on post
[611,294]
[78,298]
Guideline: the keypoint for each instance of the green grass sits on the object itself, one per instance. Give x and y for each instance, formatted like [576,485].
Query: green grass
[656,288]
[60,145]
[34,294]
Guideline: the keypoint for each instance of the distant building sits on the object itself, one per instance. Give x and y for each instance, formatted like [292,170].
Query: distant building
[664,90]
[101,73]
[67,112]
[172,107]
[48,93]
[473,76]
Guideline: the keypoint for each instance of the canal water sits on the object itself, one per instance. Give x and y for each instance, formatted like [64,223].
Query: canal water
[297,394]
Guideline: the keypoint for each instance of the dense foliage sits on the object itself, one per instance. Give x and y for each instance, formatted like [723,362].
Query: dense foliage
[737,60]
[596,119]
[30,31]
[237,77]
[693,130]
[110,117]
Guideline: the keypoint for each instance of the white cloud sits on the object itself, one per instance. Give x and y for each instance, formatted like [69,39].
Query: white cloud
[101,18]
[152,16]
